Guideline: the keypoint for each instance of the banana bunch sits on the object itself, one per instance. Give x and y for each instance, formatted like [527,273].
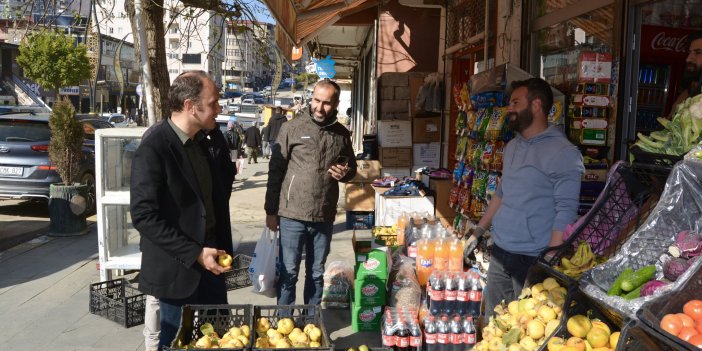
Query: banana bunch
[582,260]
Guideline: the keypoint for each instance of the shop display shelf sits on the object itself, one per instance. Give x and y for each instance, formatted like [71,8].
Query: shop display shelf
[301,315]
[118,301]
[622,206]
[636,336]
[672,301]
[222,318]
[238,277]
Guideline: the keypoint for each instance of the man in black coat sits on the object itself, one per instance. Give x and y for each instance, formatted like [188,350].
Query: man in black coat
[274,125]
[180,187]
[252,139]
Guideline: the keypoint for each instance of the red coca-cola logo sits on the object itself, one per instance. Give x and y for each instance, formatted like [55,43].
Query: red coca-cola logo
[366,316]
[371,264]
[662,41]
[369,290]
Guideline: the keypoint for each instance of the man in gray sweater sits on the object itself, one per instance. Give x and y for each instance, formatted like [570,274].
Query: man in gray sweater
[538,194]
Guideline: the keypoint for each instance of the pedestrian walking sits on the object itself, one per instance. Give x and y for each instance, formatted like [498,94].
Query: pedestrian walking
[311,155]
[253,142]
[265,132]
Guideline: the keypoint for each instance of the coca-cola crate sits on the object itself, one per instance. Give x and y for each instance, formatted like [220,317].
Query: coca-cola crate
[619,210]
[118,301]
[238,277]
[301,315]
[221,317]
[672,301]
[636,336]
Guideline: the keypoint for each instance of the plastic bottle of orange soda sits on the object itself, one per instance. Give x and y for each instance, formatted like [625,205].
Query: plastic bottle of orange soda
[441,253]
[455,254]
[425,260]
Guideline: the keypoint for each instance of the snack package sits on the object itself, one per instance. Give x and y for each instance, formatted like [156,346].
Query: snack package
[338,283]
[461,122]
[488,155]
[480,115]
[458,172]
[496,121]
[404,288]
[471,118]
[491,186]
[498,156]
[462,147]
[453,196]
[465,201]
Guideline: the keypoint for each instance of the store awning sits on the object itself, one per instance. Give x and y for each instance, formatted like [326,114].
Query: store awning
[301,20]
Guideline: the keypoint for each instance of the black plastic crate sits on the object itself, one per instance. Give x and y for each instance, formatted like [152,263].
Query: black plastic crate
[238,277]
[360,219]
[621,208]
[118,301]
[663,160]
[222,318]
[301,315]
[673,301]
[636,336]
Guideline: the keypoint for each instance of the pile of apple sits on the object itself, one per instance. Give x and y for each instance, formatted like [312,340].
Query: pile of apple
[286,335]
[586,334]
[525,324]
[234,338]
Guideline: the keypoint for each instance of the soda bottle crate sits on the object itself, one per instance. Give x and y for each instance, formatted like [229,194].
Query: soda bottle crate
[221,317]
[637,336]
[619,210]
[301,315]
[238,277]
[672,301]
[118,301]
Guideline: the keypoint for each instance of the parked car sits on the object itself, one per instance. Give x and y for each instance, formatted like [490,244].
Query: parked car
[117,120]
[25,169]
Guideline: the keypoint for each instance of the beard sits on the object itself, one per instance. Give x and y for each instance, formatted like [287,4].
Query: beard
[691,77]
[521,121]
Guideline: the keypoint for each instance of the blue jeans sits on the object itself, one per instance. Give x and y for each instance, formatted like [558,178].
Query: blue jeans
[212,290]
[505,278]
[316,237]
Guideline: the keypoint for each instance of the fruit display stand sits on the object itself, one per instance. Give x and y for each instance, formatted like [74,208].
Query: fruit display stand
[622,206]
[636,336]
[221,317]
[301,316]
[679,209]
[673,301]
[118,301]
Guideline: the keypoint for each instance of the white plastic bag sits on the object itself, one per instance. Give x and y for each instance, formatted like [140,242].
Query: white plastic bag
[262,270]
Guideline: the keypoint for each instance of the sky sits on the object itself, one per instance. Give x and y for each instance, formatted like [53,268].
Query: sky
[261,12]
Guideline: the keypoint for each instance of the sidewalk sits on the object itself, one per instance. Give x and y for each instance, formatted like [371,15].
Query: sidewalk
[44,287]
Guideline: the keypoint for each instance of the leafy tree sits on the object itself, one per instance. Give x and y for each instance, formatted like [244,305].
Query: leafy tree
[307,78]
[65,147]
[53,59]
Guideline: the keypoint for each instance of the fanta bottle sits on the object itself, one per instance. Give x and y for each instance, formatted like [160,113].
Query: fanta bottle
[455,255]
[402,223]
[425,260]
[441,253]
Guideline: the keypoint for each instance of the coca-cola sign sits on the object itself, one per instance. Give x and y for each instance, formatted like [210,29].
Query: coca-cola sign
[666,42]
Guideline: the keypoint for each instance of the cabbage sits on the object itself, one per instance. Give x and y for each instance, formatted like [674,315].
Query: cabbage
[651,287]
[687,245]
[674,267]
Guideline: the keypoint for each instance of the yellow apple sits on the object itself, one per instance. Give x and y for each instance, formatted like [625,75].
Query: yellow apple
[528,343]
[315,334]
[246,330]
[224,260]
[576,342]
[550,284]
[285,326]
[598,337]
[315,344]
[535,329]
[614,340]
[579,325]
[602,325]
[551,326]
[537,288]
[547,313]
[513,307]
[556,344]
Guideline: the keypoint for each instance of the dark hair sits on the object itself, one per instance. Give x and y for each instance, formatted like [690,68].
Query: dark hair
[278,109]
[537,88]
[694,36]
[187,85]
[328,83]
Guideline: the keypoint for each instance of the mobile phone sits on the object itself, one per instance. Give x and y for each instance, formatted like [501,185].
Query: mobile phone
[341,159]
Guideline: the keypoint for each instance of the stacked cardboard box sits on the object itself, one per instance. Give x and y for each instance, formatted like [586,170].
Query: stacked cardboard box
[359,195]
[370,285]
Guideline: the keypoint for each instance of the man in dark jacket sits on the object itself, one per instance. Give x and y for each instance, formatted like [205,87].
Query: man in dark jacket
[265,132]
[274,124]
[181,183]
[252,139]
[312,154]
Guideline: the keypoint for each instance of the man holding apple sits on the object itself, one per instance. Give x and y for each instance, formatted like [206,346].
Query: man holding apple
[180,186]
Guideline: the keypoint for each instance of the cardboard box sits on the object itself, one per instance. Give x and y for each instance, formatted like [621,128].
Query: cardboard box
[366,171]
[370,291]
[397,172]
[396,157]
[426,130]
[359,197]
[365,318]
[394,134]
[426,155]
[389,208]
[442,189]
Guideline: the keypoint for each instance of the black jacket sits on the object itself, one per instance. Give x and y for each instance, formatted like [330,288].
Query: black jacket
[252,137]
[299,186]
[274,125]
[167,209]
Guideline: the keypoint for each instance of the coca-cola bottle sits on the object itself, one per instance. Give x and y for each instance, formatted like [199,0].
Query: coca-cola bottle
[450,294]
[437,293]
[415,336]
[462,294]
[442,333]
[475,297]
[456,333]
[388,329]
[402,334]
[430,334]
[412,243]
[468,333]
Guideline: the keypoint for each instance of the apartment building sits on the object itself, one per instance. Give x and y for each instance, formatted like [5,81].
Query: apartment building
[250,55]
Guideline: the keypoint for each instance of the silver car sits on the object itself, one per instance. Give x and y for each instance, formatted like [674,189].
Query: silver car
[25,169]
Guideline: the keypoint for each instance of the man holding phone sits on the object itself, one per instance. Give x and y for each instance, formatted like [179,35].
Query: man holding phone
[312,154]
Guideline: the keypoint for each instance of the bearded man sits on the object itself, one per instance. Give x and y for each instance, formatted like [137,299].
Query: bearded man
[538,194]
[692,77]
